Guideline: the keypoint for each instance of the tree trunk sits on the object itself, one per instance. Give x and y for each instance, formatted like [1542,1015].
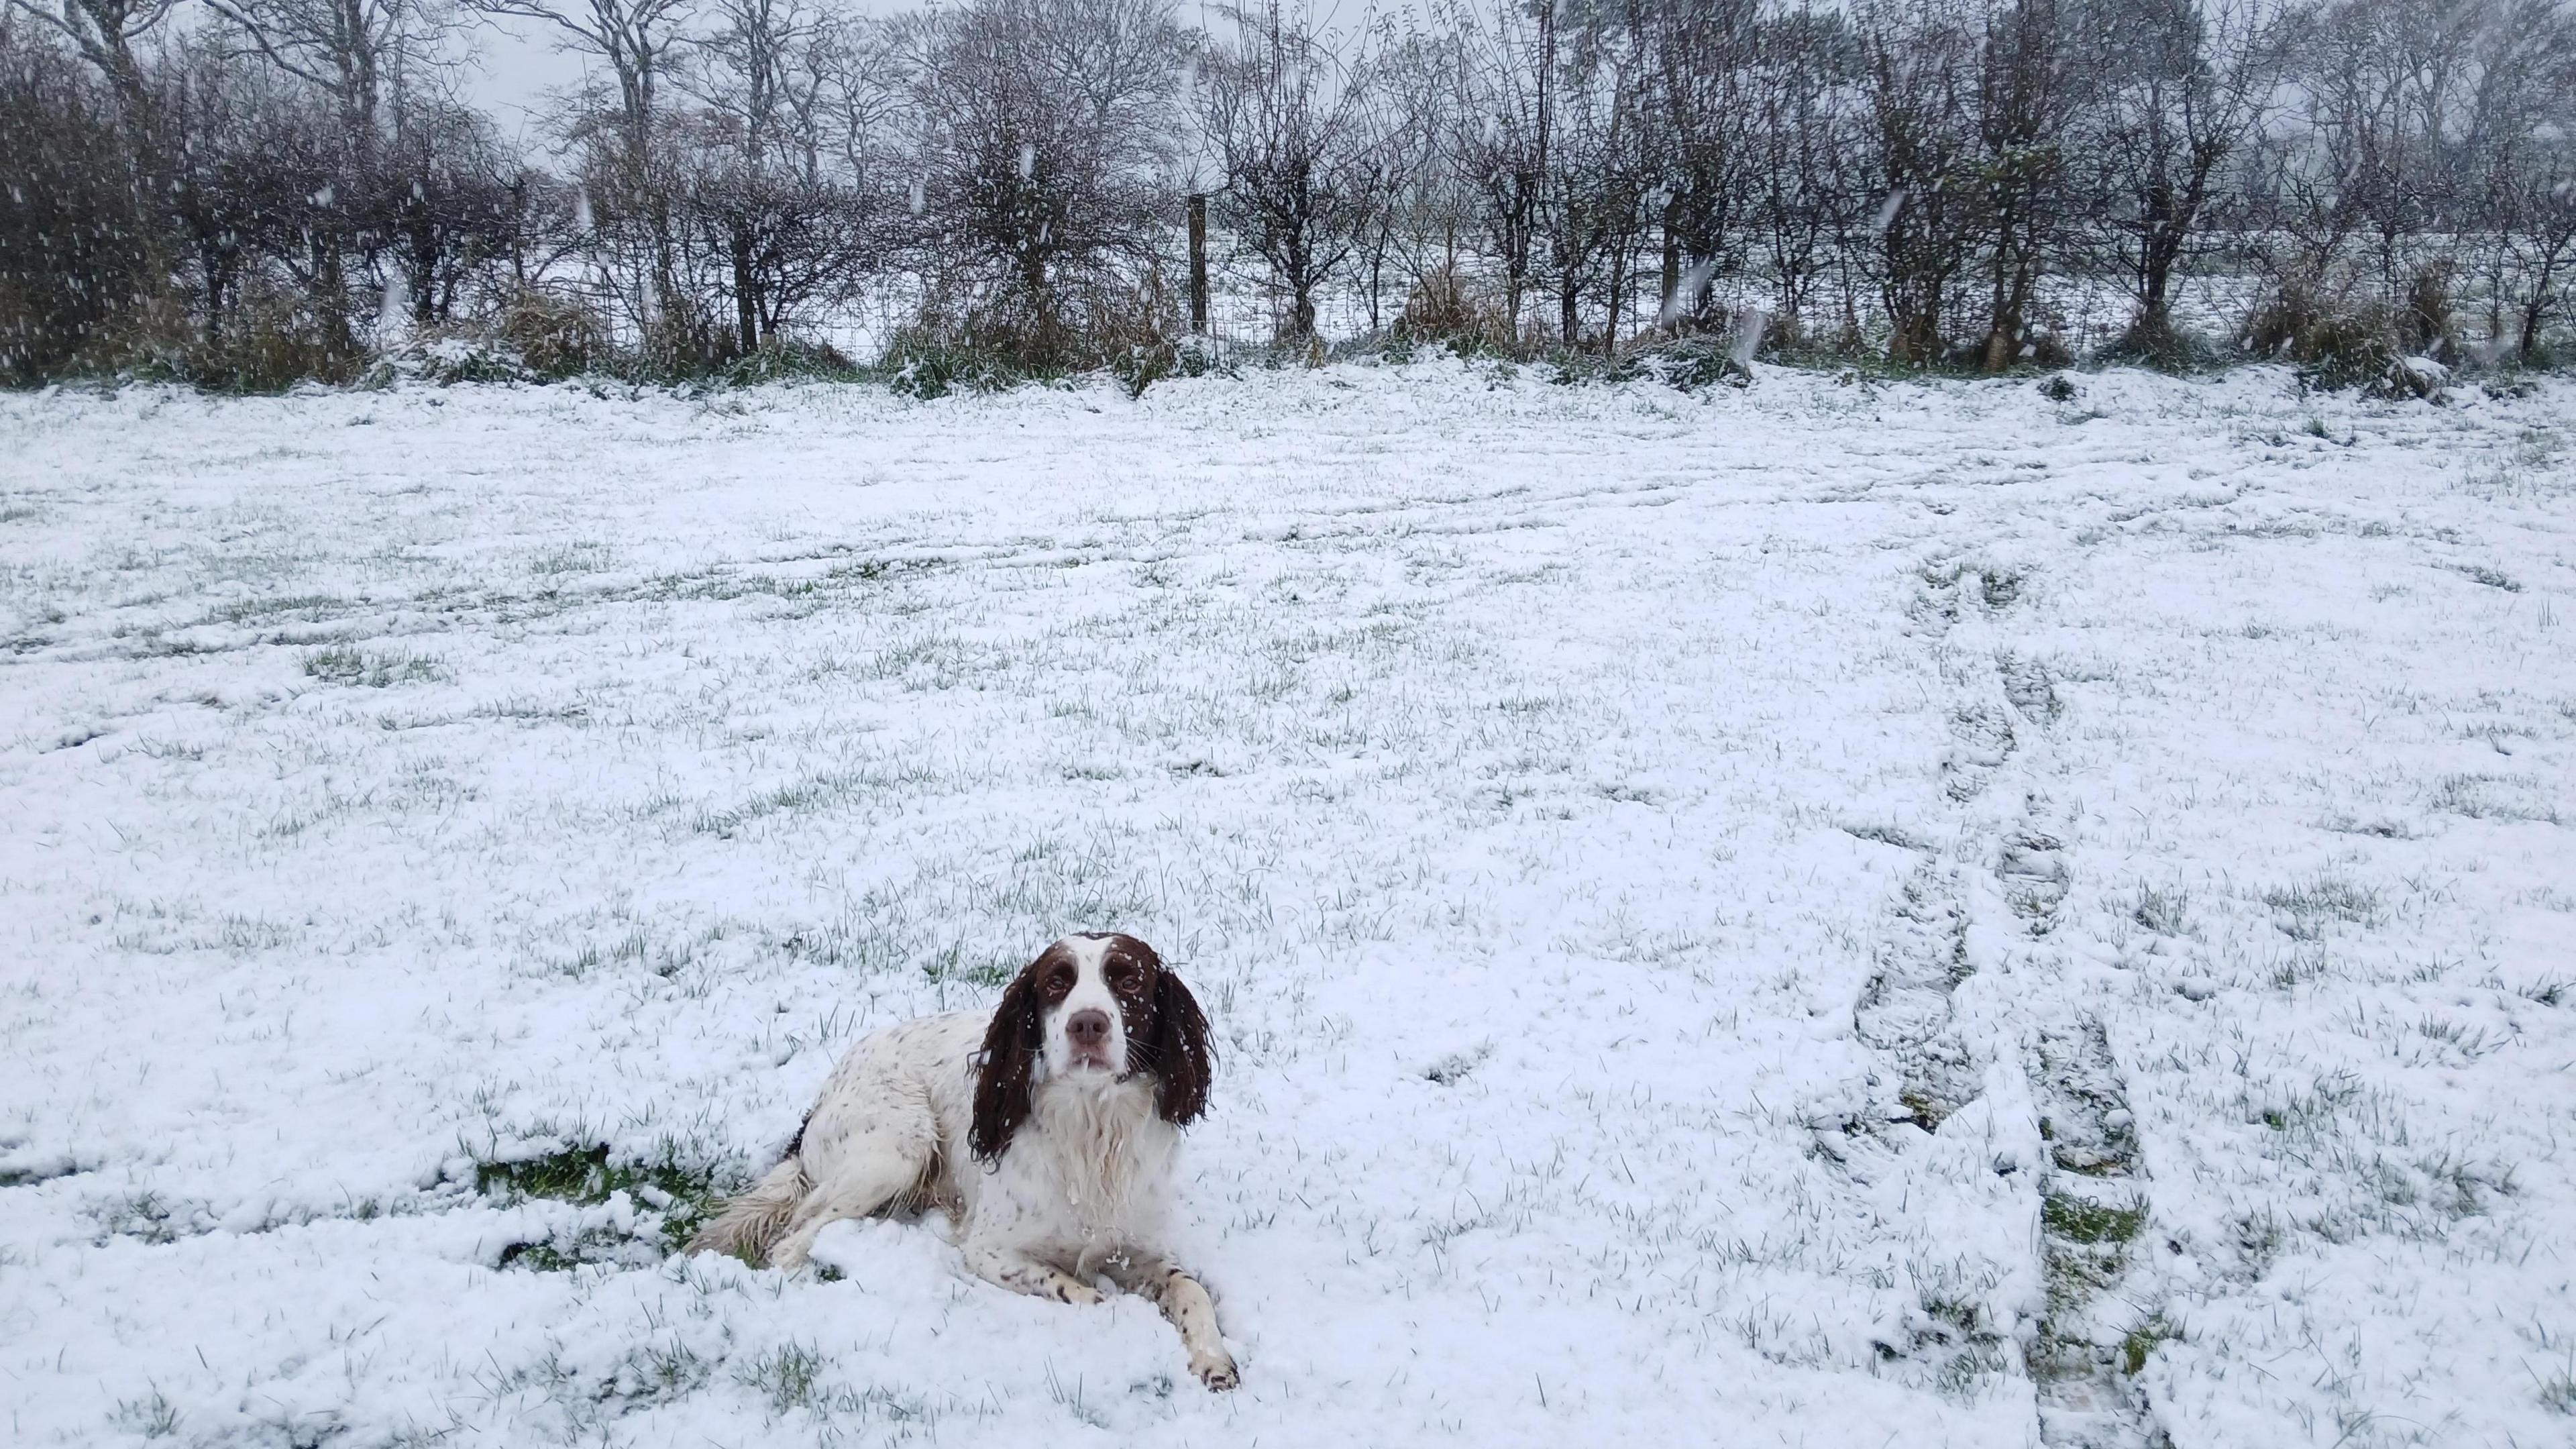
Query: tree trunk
[330,293]
[1670,315]
[2004,331]
[746,291]
[2154,308]
[1618,296]
[1198,265]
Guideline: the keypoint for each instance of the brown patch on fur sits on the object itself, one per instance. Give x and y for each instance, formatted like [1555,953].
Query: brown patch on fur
[1010,1059]
[1167,1034]
[1167,1037]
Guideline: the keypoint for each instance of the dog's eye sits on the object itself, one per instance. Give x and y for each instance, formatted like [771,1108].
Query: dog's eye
[1059,983]
[1125,979]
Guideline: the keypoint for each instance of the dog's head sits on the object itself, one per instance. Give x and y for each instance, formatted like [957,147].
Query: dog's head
[1092,1005]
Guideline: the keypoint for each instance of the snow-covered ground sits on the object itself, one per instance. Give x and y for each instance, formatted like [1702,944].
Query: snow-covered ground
[1828,914]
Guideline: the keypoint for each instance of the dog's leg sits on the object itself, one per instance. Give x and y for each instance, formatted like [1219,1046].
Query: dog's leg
[863,1180]
[1023,1274]
[1186,1303]
[752,1221]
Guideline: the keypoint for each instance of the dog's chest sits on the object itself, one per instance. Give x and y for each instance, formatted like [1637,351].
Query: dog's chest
[1087,1173]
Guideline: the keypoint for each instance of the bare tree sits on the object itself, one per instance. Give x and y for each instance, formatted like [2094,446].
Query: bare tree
[105,32]
[768,183]
[1599,175]
[1043,127]
[2523,138]
[75,266]
[2358,159]
[741,171]
[454,205]
[1299,136]
[1427,208]
[2538,245]
[623,173]
[351,50]
[2385,175]
[1695,59]
[1918,82]
[638,40]
[858,108]
[2176,87]
[2024,106]
[1504,128]
[1803,143]
[353,53]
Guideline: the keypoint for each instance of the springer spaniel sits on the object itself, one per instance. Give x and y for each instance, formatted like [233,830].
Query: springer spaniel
[1047,1133]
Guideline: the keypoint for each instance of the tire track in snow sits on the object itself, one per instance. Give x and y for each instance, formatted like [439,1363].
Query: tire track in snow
[1986,899]
[1921,1014]
[2099,1314]
[1908,1009]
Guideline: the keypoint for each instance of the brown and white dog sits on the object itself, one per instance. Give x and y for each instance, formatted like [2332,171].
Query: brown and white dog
[1047,1131]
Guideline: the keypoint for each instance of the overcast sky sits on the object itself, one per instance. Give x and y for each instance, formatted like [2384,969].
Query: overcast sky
[521,60]
[517,67]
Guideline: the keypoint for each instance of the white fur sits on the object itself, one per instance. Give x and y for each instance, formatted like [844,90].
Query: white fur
[1079,1193]
[1090,992]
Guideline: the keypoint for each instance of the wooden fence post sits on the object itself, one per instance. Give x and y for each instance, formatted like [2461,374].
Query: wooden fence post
[1198,264]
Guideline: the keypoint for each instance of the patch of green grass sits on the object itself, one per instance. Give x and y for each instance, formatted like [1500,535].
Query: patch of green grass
[868,570]
[2078,1221]
[1926,1110]
[146,1216]
[1452,1069]
[152,1416]
[2492,578]
[2139,1344]
[2310,905]
[1958,1314]
[780,360]
[347,664]
[659,1373]
[2077,1274]
[1955,1335]
[2558,1389]
[786,1376]
[2494,797]
[586,1175]
[309,607]
[30,1176]
[579,557]
[2165,912]
[545,1257]
[686,1197]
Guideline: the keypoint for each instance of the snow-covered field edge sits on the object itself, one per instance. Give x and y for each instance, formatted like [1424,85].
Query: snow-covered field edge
[1821,914]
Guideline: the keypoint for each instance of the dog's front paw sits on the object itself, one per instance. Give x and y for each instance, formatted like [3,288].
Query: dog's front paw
[1215,1370]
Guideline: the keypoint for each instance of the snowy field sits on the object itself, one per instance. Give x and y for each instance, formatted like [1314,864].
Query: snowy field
[1832,914]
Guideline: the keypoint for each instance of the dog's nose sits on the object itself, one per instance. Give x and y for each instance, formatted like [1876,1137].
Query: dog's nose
[1088,1028]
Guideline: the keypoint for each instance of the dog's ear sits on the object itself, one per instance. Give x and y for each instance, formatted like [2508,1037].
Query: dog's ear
[1004,1067]
[1183,1061]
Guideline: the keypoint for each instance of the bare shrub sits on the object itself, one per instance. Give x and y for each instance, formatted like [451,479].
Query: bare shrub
[553,334]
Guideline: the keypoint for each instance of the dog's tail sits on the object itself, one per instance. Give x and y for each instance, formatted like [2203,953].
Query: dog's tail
[753,1222]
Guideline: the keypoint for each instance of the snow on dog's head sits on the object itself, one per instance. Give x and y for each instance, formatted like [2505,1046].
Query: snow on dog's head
[1094,1008]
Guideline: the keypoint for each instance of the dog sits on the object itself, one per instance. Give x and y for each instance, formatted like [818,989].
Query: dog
[1046,1131]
